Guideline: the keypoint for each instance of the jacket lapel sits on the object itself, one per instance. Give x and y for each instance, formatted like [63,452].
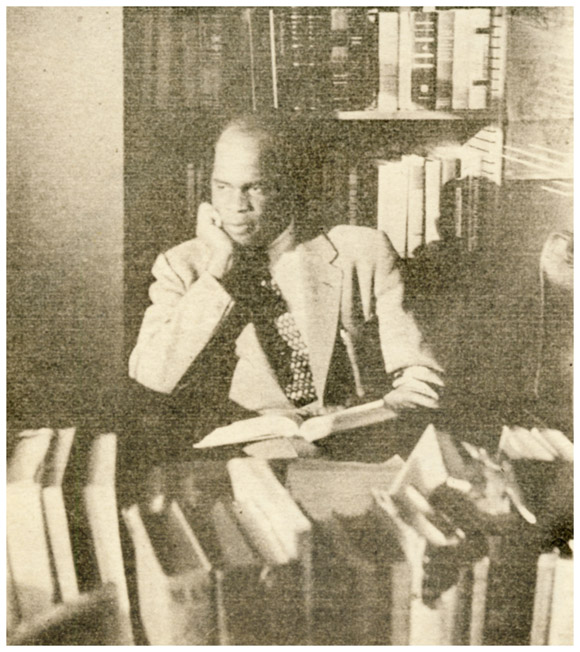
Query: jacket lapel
[312,285]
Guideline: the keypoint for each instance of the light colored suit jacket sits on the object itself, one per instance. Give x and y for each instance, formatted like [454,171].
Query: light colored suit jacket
[345,280]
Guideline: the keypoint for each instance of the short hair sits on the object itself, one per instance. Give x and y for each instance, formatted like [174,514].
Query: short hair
[282,147]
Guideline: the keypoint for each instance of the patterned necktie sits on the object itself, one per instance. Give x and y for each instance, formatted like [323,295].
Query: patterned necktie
[283,343]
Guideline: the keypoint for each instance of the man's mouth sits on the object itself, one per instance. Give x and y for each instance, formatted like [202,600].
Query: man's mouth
[240,229]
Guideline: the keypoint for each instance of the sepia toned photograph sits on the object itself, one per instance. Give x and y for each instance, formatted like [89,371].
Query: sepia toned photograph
[289,325]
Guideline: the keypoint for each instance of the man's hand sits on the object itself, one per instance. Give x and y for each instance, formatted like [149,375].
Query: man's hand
[220,244]
[415,387]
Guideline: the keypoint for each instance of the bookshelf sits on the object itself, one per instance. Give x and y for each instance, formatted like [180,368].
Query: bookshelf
[178,90]
[478,116]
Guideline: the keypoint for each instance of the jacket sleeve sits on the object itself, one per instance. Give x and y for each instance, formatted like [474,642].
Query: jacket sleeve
[177,326]
[402,342]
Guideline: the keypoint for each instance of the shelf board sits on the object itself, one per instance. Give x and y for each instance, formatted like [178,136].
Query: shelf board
[483,116]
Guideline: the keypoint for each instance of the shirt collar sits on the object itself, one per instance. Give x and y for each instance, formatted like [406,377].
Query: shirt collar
[283,243]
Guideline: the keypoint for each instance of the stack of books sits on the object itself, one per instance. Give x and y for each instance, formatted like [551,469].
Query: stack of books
[415,200]
[313,551]
[437,60]
[353,59]
[44,600]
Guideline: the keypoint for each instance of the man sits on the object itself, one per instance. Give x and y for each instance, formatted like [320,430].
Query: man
[255,314]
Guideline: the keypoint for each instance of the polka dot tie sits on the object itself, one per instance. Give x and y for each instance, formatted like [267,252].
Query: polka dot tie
[289,355]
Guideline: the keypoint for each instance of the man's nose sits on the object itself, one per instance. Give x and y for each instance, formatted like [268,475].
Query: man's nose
[241,200]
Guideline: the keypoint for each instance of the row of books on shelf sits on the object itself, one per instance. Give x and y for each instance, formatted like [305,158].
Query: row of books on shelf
[320,552]
[416,200]
[358,58]
[319,58]
[384,59]
[434,60]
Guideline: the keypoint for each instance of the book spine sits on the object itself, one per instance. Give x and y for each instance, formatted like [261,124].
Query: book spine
[388,61]
[392,203]
[362,57]
[367,193]
[57,529]
[461,48]
[401,596]
[444,67]
[339,58]
[562,613]
[479,77]
[405,61]
[543,598]
[306,83]
[415,204]
[27,549]
[423,73]
[211,45]
[458,207]
[474,213]
[478,601]
[471,171]
[450,169]
[432,199]
[353,188]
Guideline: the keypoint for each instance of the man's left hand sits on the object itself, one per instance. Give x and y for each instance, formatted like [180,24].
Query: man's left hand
[415,387]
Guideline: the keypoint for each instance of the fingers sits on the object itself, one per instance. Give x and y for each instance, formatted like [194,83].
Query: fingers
[419,373]
[207,217]
[406,398]
[419,387]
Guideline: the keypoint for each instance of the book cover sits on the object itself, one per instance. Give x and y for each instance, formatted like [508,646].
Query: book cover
[244,590]
[26,541]
[423,71]
[352,596]
[191,61]
[173,578]
[350,57]
[415,202]
[353,195]
[55,516]
[211,46]
[392,203]
[562,613]
[479,70]
[405,61]
[432,199]
[461,57]
[444,66]
[543,598]
[323,488]
[388,61]
[304,80]
[100,502]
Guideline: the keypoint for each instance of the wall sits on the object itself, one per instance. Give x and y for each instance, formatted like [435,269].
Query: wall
[65,210]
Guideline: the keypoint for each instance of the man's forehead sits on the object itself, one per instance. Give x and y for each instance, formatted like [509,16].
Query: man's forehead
[234,138]
[239,151]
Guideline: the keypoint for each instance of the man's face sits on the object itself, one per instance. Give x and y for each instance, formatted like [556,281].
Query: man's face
[243,192]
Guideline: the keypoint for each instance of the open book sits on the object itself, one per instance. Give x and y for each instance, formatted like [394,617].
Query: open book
[270,426]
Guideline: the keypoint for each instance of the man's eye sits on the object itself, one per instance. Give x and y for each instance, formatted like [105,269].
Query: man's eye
[256,188]
[220,186]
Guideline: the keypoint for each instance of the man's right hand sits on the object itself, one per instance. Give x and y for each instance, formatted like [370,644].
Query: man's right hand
[220,244]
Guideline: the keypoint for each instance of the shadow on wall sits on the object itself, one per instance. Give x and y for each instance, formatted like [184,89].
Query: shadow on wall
[481,312]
